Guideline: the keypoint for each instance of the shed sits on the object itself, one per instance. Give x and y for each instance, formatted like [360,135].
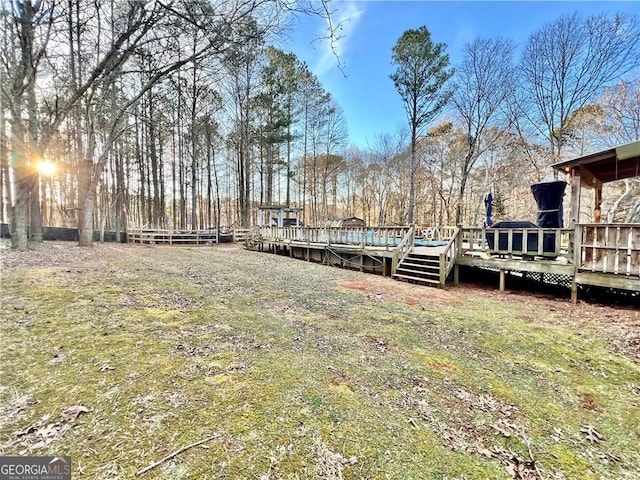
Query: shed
[279,215]
[346,222]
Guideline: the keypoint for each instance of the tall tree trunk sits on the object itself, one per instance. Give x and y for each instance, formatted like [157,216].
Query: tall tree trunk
[412,176]
[209,182]
[86,201]
[181,175]
[174,191]
[463,183]
[218,206]
[142,197]
[20,211]
[304,163]
[5,185]
[35,232]
[119,193]
[153,156]
[194,146]
[288,201]
[162,216]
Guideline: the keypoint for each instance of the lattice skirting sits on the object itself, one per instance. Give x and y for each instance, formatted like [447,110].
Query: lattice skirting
[554,279]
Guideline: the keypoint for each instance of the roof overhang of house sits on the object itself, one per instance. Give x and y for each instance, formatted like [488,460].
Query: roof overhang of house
[606,166]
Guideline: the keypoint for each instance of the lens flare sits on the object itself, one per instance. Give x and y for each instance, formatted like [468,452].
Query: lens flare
[45,167]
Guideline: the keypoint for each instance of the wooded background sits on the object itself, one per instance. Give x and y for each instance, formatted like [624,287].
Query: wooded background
[176,114]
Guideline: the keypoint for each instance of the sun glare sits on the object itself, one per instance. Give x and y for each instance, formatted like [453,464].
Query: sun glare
[45,167]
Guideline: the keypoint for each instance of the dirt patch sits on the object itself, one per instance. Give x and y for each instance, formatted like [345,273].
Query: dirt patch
[387,290]
[589,403]
[443,367]
[411,301]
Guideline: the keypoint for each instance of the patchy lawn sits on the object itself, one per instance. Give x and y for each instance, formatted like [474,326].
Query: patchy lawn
[119,356]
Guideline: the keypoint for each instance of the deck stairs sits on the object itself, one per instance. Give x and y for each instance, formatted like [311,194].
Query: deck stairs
[419,268]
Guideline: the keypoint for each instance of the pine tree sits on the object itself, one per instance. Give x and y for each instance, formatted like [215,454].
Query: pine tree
[420,77]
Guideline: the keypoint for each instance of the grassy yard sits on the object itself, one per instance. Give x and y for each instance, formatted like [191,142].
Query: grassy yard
[119,356]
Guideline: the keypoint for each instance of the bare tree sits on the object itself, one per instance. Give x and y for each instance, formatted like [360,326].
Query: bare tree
[482,85]
[26,29]
[101,88]
[612,120]
[568,62]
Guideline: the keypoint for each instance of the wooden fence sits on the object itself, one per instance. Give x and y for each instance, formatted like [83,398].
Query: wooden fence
[160,236]
[609,248]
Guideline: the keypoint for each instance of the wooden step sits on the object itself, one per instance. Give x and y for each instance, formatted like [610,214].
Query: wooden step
[422,260]
[421,269]
[419,265]
[434,258]
[426,281]
[418,273]
[415,261]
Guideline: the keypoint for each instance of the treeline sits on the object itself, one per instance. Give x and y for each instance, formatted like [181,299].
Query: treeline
[184,115]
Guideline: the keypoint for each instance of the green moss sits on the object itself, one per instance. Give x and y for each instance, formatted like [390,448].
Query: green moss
[174,345]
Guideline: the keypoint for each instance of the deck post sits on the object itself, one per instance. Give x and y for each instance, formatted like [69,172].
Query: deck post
[574,216]
[574,291]
[577,258]
[394,261]
[502,281]
[597,202]
[457,253]
[443,270]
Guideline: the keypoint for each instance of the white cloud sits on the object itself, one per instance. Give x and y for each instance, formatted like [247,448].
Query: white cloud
[345,16]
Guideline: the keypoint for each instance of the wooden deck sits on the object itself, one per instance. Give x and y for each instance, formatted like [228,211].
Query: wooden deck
[604,255]
[375,250]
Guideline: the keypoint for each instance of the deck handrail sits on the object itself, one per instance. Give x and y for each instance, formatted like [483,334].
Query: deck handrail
[404,248]
[448,256]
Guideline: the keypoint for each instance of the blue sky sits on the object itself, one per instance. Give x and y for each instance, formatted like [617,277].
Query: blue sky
[371,29]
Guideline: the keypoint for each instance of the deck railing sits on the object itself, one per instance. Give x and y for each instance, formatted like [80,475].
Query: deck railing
[403,249]
[240,234]
[381,237]
[609,248]
[521,242]
[439,232]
